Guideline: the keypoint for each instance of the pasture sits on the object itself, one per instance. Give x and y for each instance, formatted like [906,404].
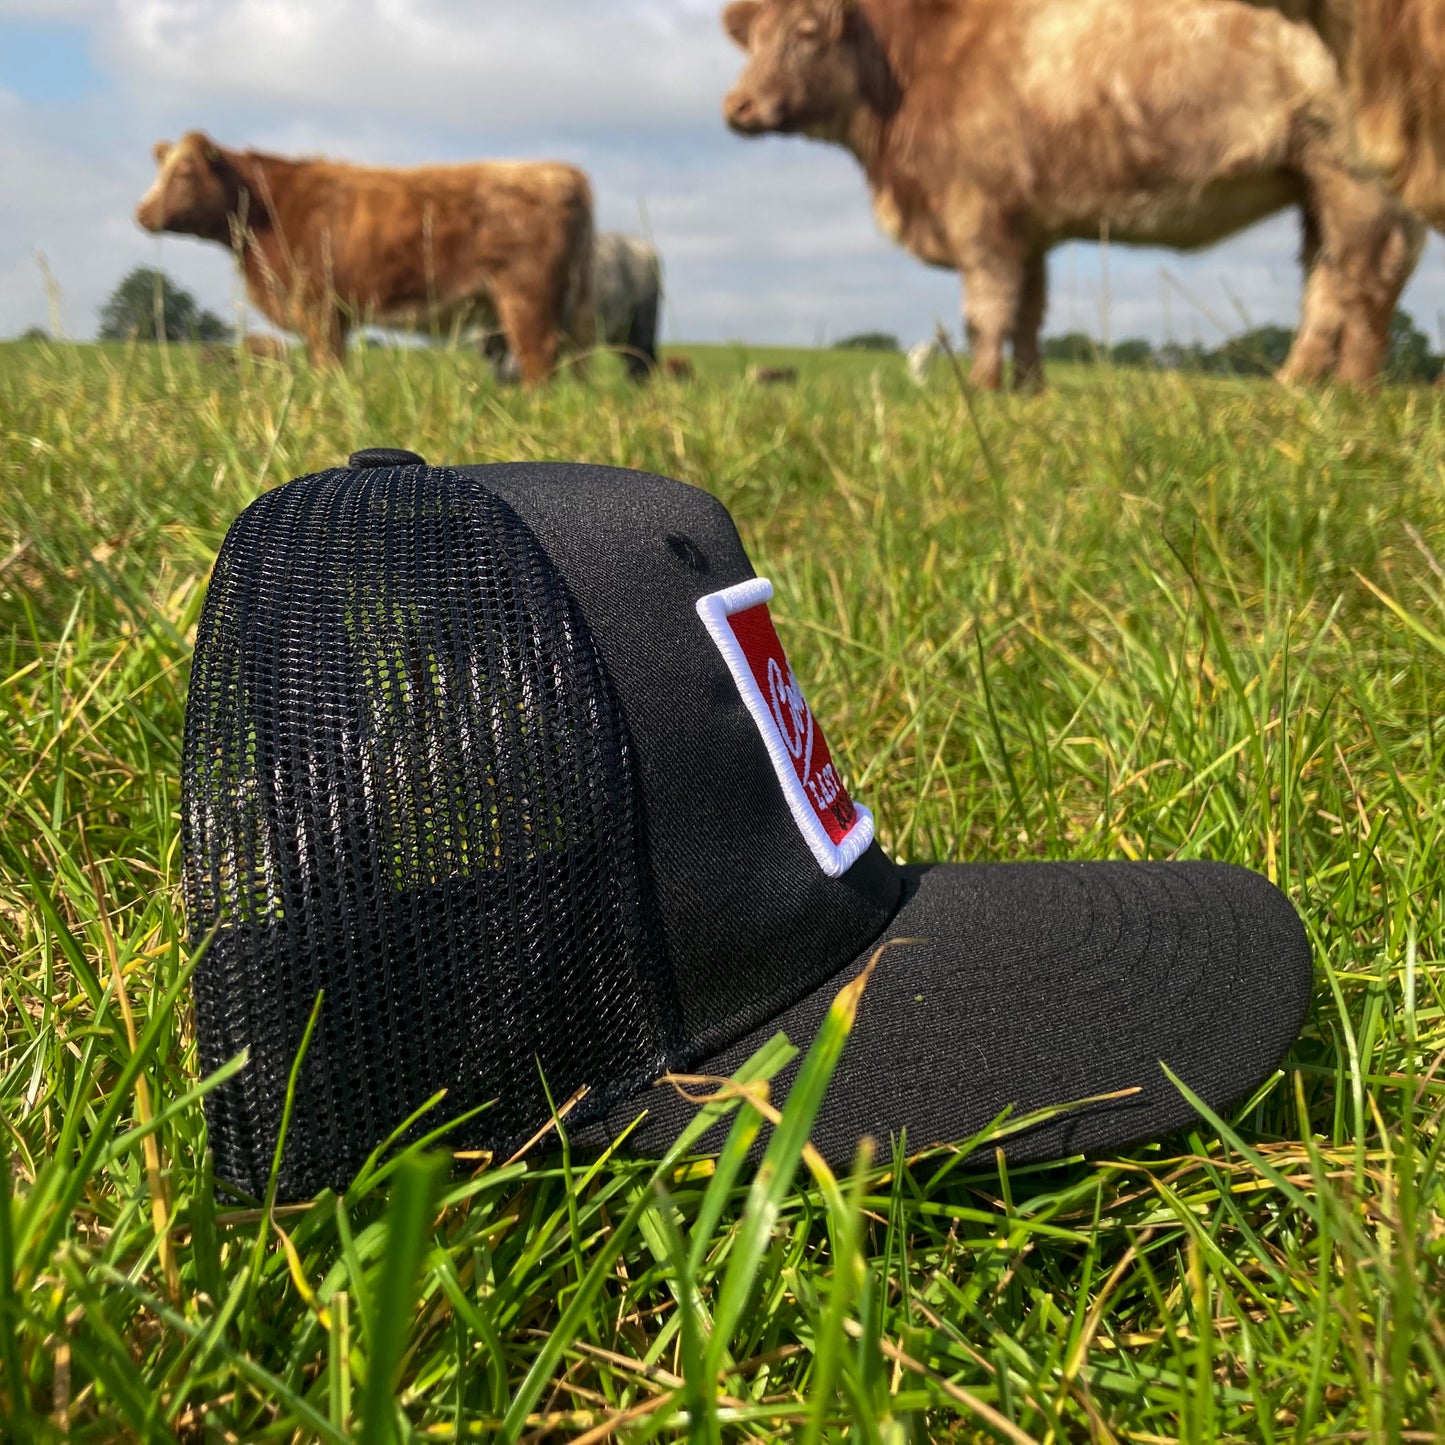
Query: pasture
[1140,616]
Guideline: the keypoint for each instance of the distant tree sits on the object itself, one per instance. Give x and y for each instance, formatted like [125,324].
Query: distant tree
[131,312]
[1173,356]
[868,341]
[1409,357]
[1133,352]
[34,333]
[1257,352]
[1077,347]
[1071,346]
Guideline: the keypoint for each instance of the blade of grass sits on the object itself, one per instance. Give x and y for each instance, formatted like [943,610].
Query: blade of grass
[848,1268]
[414,1190]
[780,1161]
[12,1309]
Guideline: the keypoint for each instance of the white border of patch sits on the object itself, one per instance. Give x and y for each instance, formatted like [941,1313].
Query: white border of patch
[835,859]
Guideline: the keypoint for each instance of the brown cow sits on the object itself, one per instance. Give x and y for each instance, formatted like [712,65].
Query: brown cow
[1397,81]
[327,246]
[1392,53]
[991,130]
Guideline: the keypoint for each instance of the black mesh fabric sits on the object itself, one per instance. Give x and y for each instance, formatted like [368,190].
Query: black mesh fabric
[407,784]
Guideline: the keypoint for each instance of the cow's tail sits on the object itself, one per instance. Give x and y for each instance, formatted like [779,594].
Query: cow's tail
[1397,80]
[579,323]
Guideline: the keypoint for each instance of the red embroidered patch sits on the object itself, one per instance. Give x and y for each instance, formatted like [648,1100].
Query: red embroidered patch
[802,738]
[836,830]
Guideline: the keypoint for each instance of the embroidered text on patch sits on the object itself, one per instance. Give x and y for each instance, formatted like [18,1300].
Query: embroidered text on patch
[836,829]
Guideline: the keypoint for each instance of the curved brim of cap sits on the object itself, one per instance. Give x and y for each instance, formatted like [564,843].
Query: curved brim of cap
[1034,986]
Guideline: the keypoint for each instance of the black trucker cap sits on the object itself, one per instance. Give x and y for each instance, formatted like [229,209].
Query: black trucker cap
[510,765]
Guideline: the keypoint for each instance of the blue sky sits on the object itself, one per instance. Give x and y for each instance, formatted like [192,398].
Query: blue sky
[48,63]
[762,241]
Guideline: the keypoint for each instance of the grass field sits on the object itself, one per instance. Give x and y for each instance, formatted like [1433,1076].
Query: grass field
[1142,616]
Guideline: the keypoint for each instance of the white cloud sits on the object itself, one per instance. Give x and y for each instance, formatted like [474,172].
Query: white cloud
[502,65]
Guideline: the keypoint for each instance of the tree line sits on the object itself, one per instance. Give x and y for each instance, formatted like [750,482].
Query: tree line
[1259,351]
[148,305]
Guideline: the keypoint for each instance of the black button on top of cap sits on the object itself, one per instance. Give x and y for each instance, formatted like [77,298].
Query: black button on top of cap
[384,457]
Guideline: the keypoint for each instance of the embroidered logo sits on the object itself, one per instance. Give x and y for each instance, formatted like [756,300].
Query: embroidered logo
[836,829]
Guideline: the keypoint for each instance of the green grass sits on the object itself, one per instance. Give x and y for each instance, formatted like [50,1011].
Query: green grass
[1142,616]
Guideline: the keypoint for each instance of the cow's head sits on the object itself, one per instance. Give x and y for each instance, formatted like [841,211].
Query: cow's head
[802,73]
[195,192]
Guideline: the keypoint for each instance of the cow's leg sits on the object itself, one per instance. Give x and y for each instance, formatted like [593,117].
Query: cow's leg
[532,329]
[325,333]
[1316,346]
[1028,361]
[993,286]
[1387,267]
[641,353]
[1368,247]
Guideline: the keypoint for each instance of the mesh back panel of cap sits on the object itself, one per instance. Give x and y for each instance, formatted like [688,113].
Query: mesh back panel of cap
[406,783]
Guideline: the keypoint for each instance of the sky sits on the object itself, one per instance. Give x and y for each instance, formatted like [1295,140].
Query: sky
[768,241]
